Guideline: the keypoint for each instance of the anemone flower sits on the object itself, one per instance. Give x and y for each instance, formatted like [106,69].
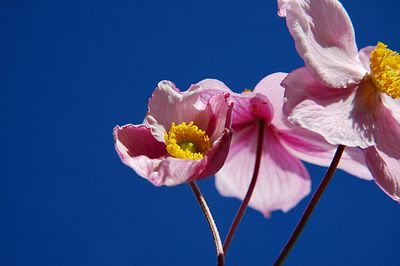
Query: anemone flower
[349,97]
[185,136]
[283,179]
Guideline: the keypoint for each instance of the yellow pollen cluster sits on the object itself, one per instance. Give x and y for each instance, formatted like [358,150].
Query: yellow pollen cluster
[247,90]
[187,141]
[385,68]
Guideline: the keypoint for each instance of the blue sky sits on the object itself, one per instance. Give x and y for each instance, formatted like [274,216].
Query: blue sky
[71,70]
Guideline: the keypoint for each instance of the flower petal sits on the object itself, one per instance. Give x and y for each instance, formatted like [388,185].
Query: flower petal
[283,180]
[138,149]
[216,157]
[386,171]
[354,162]
[386,132]
[338,115]
[312,148]
[173,171]
[168,105]
[213,84]
[282,5]
[270,87]
[219,115]
[364,55]
[324,38]
[134,140]
[248,107]
[393,105]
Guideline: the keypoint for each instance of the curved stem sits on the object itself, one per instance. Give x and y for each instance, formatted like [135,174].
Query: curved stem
[310,207]
[213,227]
[245,202]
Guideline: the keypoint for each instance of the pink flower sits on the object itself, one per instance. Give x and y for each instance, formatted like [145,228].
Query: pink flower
[283,179]
[185,135]
[350,97]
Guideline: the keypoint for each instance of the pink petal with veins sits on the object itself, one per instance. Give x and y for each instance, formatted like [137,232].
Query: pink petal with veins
[386,171]
[337,115]
[282,182]
[324,38]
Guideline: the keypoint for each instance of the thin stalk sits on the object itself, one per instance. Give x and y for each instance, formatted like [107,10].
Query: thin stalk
[245,202]
[310,207]
[213,227]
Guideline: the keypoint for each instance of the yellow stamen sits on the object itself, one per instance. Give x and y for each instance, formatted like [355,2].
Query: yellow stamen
[385,68]
[246,90]
[187,141]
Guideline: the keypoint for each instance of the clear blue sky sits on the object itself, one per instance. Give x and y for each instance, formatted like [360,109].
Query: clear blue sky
[71,70]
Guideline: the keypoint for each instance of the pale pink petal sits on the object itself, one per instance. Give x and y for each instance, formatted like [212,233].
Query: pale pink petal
[324,38]
[364,55]
[282,5]
[270,87]
[209,87]
[386,132]
[219,115]
[393,105]
[283,180]
[312,148]
[354,162]
[339,116]
[386,171]
[168,105]
[213,84]
[173,171]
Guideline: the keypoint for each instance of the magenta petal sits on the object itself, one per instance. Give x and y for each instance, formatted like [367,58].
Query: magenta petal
[386,171]
[216,157]
[135,140]
[324,38]
[334,114]
[283,180]
[138,149]
[249,107]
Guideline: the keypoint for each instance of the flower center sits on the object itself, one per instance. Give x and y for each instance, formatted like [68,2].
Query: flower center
[187,141]
[385,68]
